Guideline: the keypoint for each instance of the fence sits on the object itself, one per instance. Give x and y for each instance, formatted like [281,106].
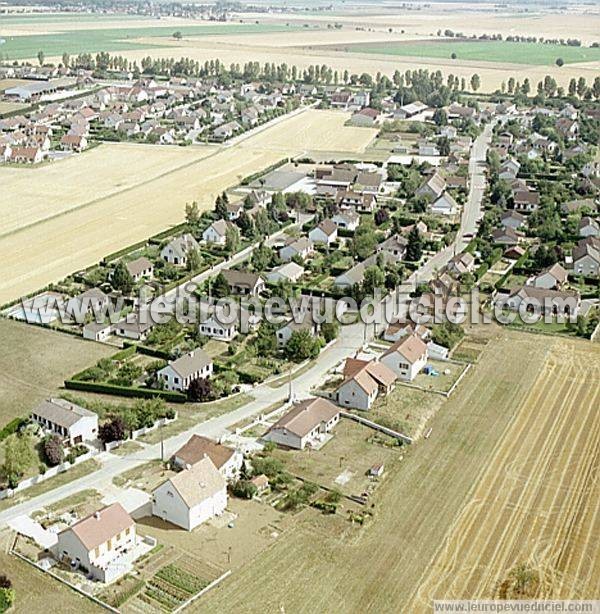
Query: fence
[378,427]
[50,473]
[111,445]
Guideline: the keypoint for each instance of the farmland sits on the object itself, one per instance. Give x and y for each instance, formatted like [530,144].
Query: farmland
[489,51]
[35,362]
[486,445]
[110,197]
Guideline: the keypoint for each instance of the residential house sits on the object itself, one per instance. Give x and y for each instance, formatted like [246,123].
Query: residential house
[363,382]
[588,227]
[132,327]
[303,321]
[307,424]
[242,282]
[395,246]
[366,117]
[296,248]
[406,357]
[179,374]
[325,233]
[410,110]
[99,543]
[140,268]
[505,236]
[222,331]
[461,264]
[216,233]
[509,169]
[288,272]
[551,278]
[97,331]
[192,496]
[348,220]
[568,128]
[26,155]
[445,205]
[586,257]
[74,142]
[397,330]
[177,251]
[73,423]
[512,219]
[226,460]
[355,274]
[433,188]
[526,200]
[543,301]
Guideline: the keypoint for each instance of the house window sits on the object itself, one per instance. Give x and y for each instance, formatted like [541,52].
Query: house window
[97,552]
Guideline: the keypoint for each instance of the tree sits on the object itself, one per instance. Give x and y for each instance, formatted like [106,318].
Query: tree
[192,213]
[177,35]
[41,57]
[221,208]
[220,288]
[121,278]
[232,240]
[114,430]
[53,450]
[475,82]
[381,216]
[262,257]
[244,489]
[18,456]
[302,345]
[66,60]
[194,260]
[440,117]
[414,248]
[330,331]
[7,594]
[200,390]
[265,341]
[373,279]
[560,62]
[364,241]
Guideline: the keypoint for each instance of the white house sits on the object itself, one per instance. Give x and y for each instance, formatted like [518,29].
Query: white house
[406,357]
[222,331]
[179,374]
[325,233]
[191,497]
[542,301]
[363,382]
[177,251]
[140,268]
[99,544]
[72,422]
[346,219]
[588,227]
[97,331]
[551,278]
[301,248]
[445,205]
[226,460]
[307,423]
[302,322]
[586,257]
[216,233]
[290,271]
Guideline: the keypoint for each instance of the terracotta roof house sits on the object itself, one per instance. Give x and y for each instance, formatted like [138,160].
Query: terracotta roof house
[307,423]
[363,382]
[192,496]
[99,543]
[406,357]
[226,460]
[325,233]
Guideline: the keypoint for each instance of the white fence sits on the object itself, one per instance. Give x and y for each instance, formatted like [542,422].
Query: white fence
[50,473]
[135,434]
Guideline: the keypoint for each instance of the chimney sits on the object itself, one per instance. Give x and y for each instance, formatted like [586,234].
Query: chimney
[97,515]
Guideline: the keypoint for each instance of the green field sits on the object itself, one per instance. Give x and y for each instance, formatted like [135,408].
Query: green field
[486,51]
[115,39]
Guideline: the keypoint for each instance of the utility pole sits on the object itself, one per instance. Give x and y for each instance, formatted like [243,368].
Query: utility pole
[162,445]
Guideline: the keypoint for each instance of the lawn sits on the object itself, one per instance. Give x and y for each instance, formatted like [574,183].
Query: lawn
[343,462]
[491,51]
[34,363]
[116,39]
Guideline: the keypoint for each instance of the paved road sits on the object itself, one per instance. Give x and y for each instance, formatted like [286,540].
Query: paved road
[351,340]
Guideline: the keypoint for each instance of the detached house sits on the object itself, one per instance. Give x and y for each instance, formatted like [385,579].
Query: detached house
[445,205]
[363,382]
[242,282]
[223,331]
[307,423]
[588,227]
[551,278]
[191,497]
[325,233]
[99,544]
[586,257]
[226,460]
[179,374]
[301,248]
[140,268]
[349,220]
[216,233]
[177,251]
[406,357]
[73,423]
[433,188]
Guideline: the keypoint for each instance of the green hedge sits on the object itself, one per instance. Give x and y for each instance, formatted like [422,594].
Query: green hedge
[123,252]
[147,351]
[250,178]
[125,391]
[12,427]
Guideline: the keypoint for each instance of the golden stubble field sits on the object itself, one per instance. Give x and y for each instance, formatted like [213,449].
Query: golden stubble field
[509,476]
[65,216]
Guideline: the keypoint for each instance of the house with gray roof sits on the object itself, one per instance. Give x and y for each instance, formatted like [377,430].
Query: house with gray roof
[71,422]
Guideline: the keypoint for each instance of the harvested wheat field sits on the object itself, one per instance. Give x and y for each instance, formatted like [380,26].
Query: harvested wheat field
[80,213]
[507,477]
